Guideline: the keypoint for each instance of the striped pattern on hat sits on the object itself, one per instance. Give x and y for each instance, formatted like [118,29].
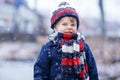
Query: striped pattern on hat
[64,10]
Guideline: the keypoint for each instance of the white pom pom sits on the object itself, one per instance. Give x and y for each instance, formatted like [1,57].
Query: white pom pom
[64,5]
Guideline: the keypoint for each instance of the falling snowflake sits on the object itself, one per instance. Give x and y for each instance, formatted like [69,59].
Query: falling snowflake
[14,38]
[49,55]
[56,63]
[8,29]
[58,77]
[69,69]
[49,52]
[44,49]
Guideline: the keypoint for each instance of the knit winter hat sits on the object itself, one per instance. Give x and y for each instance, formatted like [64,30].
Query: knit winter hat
[63,10]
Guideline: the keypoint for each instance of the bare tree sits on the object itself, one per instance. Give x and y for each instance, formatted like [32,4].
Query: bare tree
[102,25]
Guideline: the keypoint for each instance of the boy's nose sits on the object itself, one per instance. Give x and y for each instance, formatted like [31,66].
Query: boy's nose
[69,26]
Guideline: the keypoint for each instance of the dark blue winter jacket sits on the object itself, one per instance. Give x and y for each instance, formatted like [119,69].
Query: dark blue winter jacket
[48,64]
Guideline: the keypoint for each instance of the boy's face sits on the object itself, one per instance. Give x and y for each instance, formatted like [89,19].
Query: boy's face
[66,25]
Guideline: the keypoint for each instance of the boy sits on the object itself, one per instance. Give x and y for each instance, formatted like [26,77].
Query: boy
[66,56]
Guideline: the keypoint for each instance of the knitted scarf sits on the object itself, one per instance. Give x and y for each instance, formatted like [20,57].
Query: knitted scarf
[73,55]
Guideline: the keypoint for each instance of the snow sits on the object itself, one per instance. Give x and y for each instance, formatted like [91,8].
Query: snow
[109,71]
[18,50]
[10,66]
[12,70]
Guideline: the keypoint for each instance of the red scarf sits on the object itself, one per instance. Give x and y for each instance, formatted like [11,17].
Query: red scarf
[73,55]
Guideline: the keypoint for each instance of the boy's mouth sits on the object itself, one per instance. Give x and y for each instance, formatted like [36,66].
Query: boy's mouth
[69,32]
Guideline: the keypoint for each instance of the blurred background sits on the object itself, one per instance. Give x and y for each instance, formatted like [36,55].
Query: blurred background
[25,26]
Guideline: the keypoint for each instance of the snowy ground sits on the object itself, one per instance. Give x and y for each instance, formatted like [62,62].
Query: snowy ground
[109,71]
[18,50]
[16,70]
[17,59]
[12,70]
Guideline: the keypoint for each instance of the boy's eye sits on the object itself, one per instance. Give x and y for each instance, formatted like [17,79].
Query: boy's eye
[73,25]
[64,24]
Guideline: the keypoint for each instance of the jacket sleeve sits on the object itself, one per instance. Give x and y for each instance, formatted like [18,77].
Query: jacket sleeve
[92,68]
[41,66]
